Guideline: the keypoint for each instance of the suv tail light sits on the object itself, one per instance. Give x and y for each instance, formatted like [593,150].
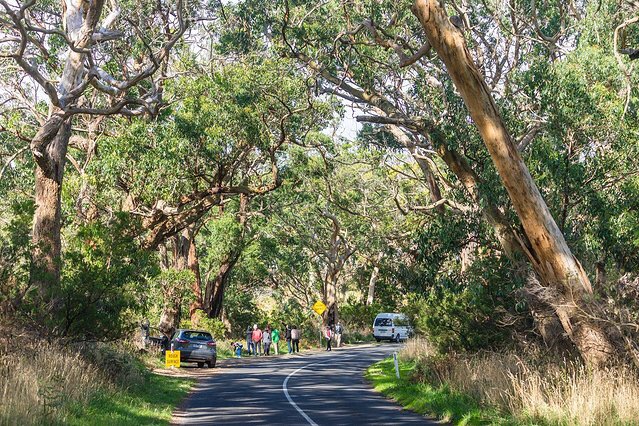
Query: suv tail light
[211,344]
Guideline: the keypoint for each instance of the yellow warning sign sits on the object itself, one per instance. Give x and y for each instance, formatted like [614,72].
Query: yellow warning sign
[319,307]
[172,359]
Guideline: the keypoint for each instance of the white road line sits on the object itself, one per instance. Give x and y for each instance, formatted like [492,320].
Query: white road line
[288,396]
[290,400]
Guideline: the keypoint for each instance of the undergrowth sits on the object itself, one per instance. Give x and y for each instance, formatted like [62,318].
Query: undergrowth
[508,388]
[96,383]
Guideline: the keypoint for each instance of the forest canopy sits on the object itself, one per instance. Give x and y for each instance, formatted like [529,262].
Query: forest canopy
[470,163]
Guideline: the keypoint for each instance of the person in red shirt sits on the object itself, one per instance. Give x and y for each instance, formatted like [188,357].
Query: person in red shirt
[328,335]
[257,340]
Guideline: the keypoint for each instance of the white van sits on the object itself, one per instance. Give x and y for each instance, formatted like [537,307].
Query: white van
[391,326]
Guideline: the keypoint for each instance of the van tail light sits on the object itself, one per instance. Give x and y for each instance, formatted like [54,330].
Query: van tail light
[181,341]
[211,344]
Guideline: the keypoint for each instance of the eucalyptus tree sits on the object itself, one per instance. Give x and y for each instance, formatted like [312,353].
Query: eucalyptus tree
[333,217]
[386,57]
[223,136]
[78,58]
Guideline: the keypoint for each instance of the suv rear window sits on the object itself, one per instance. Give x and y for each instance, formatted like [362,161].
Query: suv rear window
[383,322]
[197,335]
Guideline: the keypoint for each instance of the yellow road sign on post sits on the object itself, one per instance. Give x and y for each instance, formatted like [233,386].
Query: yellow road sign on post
[319,307]
[172,359]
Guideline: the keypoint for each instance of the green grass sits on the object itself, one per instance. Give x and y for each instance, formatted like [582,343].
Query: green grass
[437,402]
[151,403]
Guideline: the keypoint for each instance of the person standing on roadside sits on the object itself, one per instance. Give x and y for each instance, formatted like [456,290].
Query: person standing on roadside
[338,334]
[287,335]
[328,335]
[256,337]
[275,336]
[249,339]
[266,340]
[295,338]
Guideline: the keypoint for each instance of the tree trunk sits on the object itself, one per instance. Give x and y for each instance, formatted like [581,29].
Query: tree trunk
[468,256]
[46,251]
[373,280]
[49,147]
[194,266]
[172,309]
[600,273]
[330,300]
[550,255]
[170,318]
[214,299]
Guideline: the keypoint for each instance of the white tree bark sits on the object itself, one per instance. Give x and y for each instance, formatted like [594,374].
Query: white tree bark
[373,280]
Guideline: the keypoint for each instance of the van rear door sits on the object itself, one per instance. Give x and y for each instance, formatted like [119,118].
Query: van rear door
[383,326]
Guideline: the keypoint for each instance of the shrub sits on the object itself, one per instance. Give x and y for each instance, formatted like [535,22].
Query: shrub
[358,317]
[466,311]
[214,326]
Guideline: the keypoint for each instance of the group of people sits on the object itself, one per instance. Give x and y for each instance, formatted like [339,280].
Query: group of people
[331,333]
[259,342]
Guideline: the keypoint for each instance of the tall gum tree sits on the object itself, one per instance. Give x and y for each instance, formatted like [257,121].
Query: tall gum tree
[224,138]
[549,253]
[33,31]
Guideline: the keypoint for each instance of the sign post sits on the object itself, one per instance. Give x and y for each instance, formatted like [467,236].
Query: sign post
[396,364]
[172,359]
[319,309]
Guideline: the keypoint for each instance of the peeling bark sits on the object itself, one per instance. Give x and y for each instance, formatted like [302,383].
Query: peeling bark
[45,255]
[549,254]
[49,148]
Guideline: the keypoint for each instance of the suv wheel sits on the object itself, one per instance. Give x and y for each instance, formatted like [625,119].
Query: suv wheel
[397,338]
[200,364]
[211,364]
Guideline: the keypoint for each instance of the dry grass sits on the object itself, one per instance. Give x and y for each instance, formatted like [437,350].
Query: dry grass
[39,381]
[542,392]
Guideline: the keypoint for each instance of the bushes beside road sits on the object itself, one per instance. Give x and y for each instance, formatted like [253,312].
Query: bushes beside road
[504,388]
[96,384]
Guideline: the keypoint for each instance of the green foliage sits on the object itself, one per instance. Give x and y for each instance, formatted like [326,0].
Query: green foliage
[104,278]
[466,311]
[360,317]
[241,310]
[227,121]
[213,325]
[14,253]
[170,287]
[291,312]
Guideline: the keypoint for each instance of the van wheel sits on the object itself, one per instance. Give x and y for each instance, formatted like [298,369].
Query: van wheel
[378,340]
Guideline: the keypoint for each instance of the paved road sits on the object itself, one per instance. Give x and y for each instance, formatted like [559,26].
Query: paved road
[310,389]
